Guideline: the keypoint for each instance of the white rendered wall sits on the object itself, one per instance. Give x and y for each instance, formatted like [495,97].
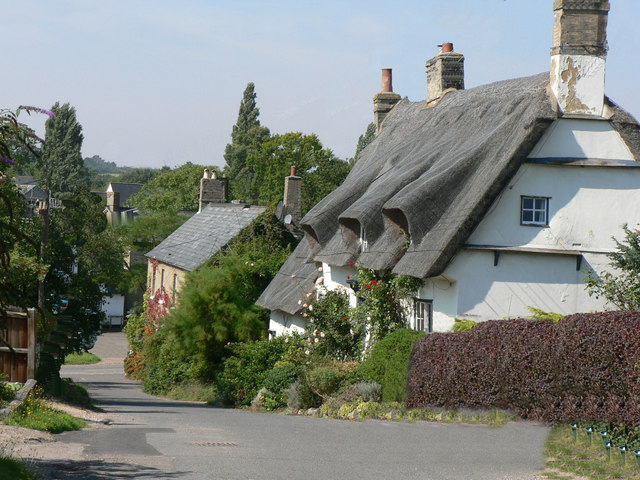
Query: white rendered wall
[113,305]
[577,81]
[285,324]
[573,138]
[443,292]
[520,280]
[587,205]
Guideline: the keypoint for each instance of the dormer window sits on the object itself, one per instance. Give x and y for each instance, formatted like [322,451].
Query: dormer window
[534,211]
[363,240]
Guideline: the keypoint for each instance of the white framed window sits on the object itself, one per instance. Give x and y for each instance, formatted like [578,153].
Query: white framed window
[363,240]
[534,211]
[423,315]
[162,279]
[175,287]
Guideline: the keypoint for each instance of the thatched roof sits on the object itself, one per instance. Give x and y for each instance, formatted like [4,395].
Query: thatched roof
[295,279]
[424,184]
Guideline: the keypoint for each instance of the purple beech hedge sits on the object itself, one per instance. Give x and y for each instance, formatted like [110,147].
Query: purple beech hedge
[586,367]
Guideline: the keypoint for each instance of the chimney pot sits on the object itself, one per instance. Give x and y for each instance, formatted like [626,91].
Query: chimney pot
[447,47]
[206,173]
[293,170]
[387,84]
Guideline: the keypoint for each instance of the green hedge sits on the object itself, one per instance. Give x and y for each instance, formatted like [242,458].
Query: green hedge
[388,363]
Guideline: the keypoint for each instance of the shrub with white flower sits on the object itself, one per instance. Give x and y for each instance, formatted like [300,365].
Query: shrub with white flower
[334,333]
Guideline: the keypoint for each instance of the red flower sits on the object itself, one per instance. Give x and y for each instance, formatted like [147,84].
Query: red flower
[346,319]
[368,286]
[351,265]
[375,282]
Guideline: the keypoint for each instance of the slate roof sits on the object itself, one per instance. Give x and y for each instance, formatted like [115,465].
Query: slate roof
[196,240]
[125,190]
[430,176]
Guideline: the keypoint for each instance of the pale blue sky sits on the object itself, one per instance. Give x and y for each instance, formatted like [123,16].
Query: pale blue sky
[159,82]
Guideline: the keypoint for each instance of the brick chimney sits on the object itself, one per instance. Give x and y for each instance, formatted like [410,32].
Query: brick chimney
[212,189]
[384,101]
[293,197]
[578,55]
[445,72]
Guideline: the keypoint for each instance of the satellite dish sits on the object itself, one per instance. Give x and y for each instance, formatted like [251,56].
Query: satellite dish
[279,209]
[287,219]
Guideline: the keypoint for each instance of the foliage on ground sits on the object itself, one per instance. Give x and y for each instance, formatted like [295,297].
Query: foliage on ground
[566,457]
[583,368]
[81,358]
[35,414]
[11,469]
[388,363]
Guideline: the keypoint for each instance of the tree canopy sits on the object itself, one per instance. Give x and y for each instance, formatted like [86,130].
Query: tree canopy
[247,134]
[61,167]
[171,191]
[321,171]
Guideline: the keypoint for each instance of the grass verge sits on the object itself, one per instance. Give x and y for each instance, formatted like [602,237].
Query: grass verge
[566,458]
[11,469]
[34,414]
[82,358]
[193,392]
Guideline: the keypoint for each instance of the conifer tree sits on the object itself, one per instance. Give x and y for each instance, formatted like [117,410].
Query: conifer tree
[61,165]
[246,135]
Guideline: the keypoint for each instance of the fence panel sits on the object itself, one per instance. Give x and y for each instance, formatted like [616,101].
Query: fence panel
[18,358]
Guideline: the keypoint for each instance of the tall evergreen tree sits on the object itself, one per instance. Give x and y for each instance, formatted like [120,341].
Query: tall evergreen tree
[61,168]
[365,139]
[246,135]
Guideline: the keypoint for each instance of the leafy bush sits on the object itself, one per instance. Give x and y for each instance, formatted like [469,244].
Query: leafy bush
[382,307]
[245,370]
[462,325]
[350,394]
[388,363]
[166,365]
[325,380]
[583,368]
[281,377]
[330,329]
[541,315]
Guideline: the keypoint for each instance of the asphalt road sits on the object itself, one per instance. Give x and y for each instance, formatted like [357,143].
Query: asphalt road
[153,438]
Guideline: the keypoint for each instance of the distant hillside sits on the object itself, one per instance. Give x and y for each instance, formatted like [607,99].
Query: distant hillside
[96,164]
[102,172]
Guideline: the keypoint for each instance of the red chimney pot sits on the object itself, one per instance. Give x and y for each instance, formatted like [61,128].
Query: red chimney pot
[293,170]
[447,47]
[387,85]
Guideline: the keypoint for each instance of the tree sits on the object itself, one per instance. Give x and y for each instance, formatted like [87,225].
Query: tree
[246,135]
[621,288]
[365,139]
[171,191]
[61,168]
[320,170]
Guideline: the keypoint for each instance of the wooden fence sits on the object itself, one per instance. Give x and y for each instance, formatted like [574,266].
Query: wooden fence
[18,345]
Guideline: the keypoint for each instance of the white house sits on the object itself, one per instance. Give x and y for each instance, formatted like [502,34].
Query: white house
[508,194]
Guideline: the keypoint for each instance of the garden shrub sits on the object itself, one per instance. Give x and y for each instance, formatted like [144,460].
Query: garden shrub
[330,329]
[365,391]
[538,314]
[325,379]
[166,365]
[583,368]
[245,371]
[276,382]
[388,363]
[462,325]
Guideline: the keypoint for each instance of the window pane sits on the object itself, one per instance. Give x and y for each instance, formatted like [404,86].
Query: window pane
[541,203]
[527,216]
[540,217]
[527,203]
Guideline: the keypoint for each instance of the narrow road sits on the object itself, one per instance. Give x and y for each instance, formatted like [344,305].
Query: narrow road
[153,438]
